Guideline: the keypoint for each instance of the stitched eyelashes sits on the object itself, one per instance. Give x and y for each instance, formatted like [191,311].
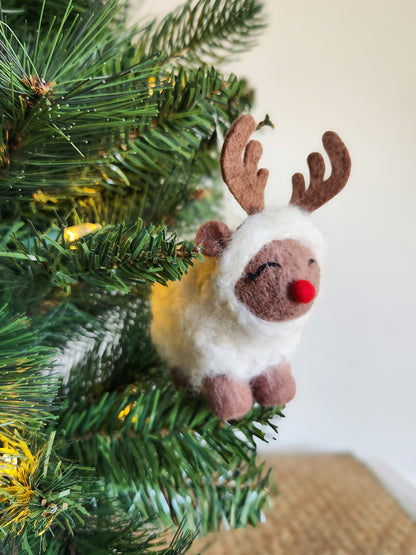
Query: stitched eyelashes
[255,275]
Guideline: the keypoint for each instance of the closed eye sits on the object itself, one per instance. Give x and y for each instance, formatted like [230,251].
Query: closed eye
[260,269]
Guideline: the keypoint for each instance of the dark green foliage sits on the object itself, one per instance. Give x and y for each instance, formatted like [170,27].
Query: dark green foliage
[119,127]
[114,258]
[72,101]
[208,30]
[56,494]
[177,149]
[25,391]
[23,15]
[102,534]
[111,361]
[116,127]
[161,447]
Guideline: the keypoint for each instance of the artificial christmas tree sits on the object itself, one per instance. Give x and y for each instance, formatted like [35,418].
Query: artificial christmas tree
[108,153]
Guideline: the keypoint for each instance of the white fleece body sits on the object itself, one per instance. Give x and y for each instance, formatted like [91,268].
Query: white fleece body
[201,328]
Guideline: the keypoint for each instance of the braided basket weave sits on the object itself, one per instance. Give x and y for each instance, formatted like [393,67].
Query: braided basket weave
[328,505]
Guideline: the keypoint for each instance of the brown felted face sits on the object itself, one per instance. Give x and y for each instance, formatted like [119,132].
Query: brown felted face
[280,282]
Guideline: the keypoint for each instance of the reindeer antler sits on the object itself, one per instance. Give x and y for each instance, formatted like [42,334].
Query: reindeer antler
[319,191]
[243,179]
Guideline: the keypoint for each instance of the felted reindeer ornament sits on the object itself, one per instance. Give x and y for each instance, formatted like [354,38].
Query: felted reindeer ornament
[230,326]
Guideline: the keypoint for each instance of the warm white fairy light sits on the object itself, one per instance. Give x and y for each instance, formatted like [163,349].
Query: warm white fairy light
[74,232]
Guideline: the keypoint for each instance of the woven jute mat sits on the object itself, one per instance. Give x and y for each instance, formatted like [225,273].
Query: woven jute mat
[327,505]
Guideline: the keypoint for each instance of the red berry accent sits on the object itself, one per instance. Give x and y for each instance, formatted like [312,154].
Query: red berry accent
[302,291]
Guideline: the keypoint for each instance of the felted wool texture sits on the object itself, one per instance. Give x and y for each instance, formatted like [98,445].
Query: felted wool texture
[214,237]
[269,294]
[228,399]
[201,327]
[243,179]
[274,387]
[256,231]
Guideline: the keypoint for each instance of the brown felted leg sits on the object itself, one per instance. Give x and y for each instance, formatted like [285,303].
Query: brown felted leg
[179,379]
[274,387]
[228,399]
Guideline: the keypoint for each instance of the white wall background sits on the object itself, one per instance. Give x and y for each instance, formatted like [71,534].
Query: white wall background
[349,67]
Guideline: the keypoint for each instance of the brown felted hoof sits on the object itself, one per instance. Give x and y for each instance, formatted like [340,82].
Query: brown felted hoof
[229,400]
[274,387]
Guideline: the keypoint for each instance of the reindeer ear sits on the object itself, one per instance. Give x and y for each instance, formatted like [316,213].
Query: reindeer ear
[214,237]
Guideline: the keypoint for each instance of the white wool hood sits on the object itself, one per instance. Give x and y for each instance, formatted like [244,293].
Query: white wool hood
[269,225]
[256,231]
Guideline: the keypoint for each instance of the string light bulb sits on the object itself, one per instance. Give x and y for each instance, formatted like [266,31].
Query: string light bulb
[123,413]
[151,82]
[74,232]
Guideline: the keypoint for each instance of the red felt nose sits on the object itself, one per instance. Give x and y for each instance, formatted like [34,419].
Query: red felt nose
[302,291]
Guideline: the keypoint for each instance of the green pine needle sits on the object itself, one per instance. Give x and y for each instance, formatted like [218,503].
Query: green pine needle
[68,96]
[37,490]
[115,258]
[190,455]
[26,391]
[206,30]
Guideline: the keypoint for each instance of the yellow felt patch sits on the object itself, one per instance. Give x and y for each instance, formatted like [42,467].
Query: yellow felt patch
[168,300]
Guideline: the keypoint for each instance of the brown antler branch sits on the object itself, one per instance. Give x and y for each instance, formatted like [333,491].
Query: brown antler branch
[243,179]
[321,191]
